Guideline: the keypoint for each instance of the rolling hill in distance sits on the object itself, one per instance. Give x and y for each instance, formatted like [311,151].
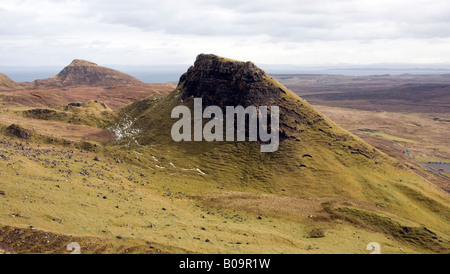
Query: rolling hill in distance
[87,156]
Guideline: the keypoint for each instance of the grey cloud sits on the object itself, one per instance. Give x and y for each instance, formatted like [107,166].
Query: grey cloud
[287,20]
[134,28]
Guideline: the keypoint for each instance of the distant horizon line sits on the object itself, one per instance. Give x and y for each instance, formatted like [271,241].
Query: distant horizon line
[333,66]
[172,73]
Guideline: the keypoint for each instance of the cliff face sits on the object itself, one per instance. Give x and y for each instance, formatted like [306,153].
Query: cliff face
[224,82]
[81,72]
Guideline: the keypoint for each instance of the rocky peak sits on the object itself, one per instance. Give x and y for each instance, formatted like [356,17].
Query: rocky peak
[225,82]
[81,72]
[213,66]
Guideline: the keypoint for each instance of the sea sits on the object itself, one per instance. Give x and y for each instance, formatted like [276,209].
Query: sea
[173,74]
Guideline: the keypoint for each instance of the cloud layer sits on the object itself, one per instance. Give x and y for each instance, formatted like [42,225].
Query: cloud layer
[279,32]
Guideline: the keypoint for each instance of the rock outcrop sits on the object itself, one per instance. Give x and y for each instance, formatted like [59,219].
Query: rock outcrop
[225,82]
[18,131]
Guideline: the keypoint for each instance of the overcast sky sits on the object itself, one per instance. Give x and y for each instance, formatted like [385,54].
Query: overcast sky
[298,32]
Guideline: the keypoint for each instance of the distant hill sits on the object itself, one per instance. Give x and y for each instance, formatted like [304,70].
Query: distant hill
[85,73]
[7,84]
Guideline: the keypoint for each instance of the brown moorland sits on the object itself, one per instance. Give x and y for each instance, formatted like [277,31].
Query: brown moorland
[405,116]
[393,93]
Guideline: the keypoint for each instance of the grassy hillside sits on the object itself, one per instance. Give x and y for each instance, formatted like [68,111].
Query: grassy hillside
[128,201]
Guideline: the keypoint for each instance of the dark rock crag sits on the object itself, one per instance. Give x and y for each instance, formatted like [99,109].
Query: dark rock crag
[224,82]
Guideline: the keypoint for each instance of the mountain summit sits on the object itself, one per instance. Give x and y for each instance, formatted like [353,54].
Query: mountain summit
[312,147]
[81,72]
[225,82]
